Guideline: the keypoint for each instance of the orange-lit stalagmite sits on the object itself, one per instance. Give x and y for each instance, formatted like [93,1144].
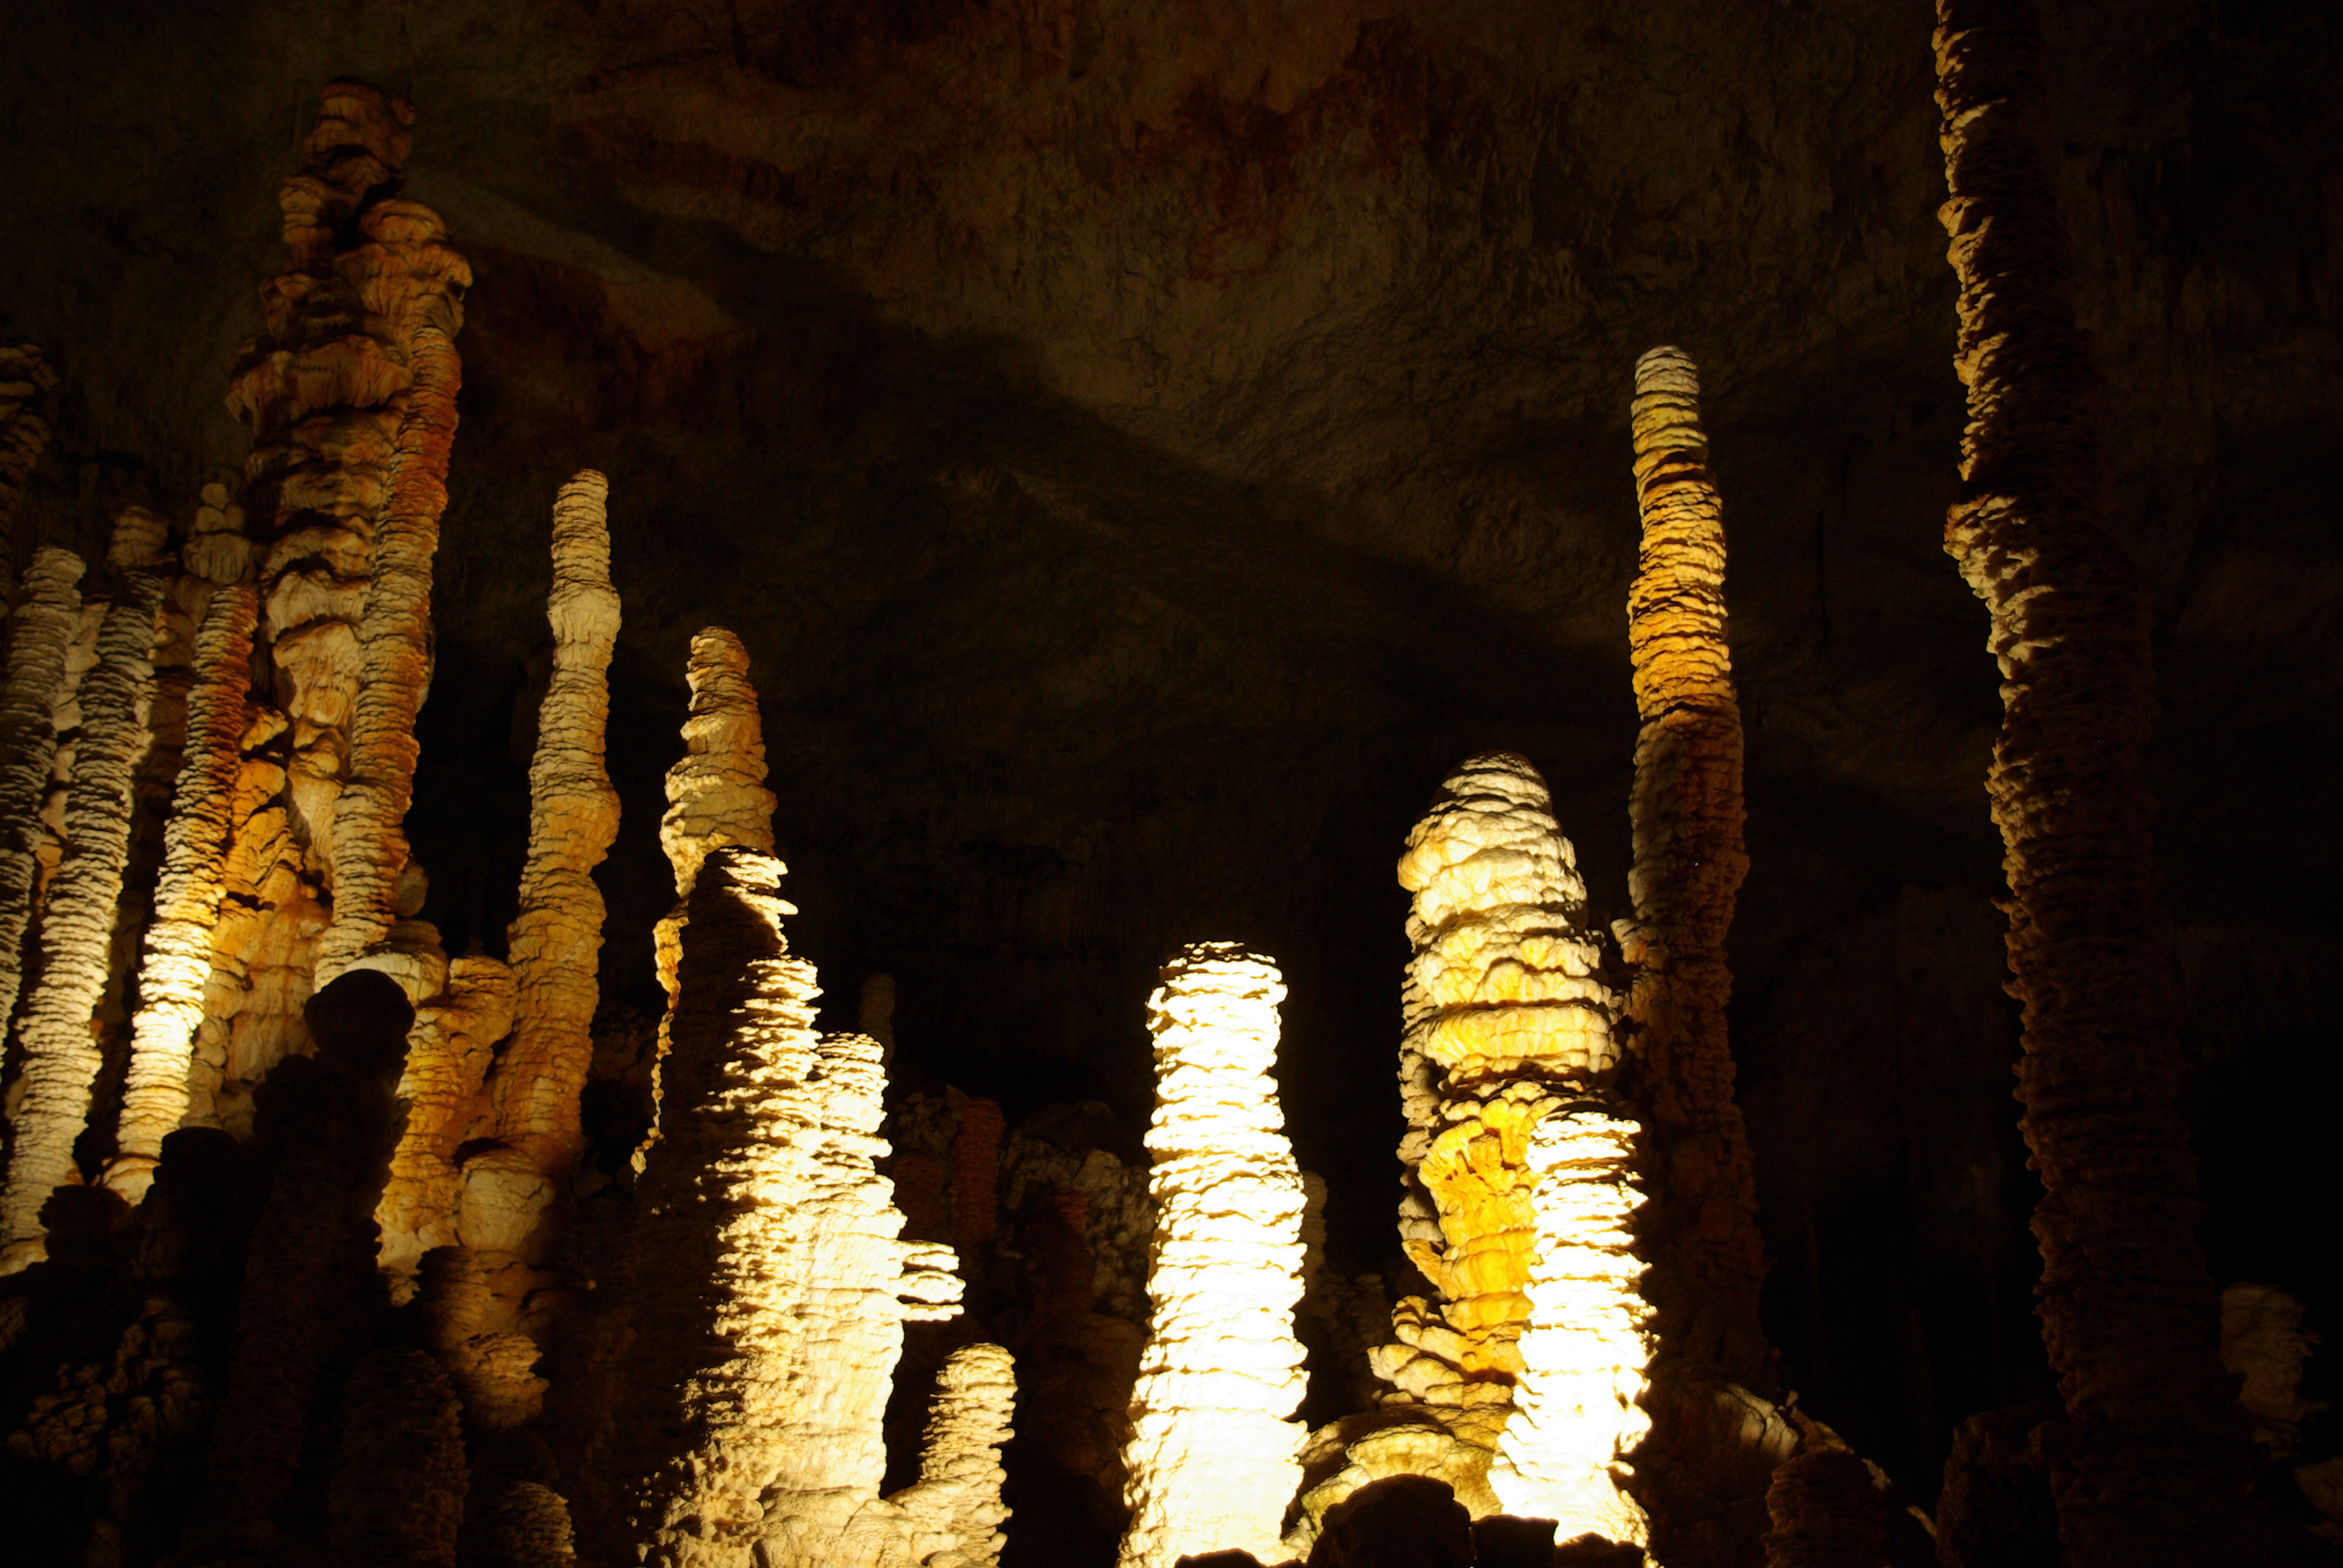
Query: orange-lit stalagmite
[2143,1467]
[38,635]
[59,1043]
[1708,1261]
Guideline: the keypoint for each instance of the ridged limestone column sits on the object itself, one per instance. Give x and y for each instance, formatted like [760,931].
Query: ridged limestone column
[37,634]
[1212,1457]
[59,1045]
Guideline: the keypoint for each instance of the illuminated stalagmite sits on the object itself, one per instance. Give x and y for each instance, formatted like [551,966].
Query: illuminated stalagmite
[37,634]
[24,375]
[2143,1472]
[55,1034]
[1212,1458]
[952,1515]
[716,793]
[348,393]
[556,939]
[1709,1261]
[773,1286]
[187,895]
[449,1051]
[1525,1160]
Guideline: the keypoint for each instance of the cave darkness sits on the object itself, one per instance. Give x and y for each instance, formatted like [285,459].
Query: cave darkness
[1143,448]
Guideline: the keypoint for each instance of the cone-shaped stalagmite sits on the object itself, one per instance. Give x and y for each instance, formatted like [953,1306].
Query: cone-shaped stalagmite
[1212,1458]
[38,635]
[1708,1261]
[59,1044]
[24,375]
[556,940]
[2144,1470]
[956,1506]
[187,896]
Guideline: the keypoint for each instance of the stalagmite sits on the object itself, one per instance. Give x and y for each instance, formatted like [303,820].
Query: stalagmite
[556,939]
[38,635]
[1212,1458]
[716,793]
[448,1055]
[1708,1263]
[25,376]
[954,1512]
[397,1493]
[59,1045]
[773,1286]
[1826,1508]
[187,895]
[2144,1472]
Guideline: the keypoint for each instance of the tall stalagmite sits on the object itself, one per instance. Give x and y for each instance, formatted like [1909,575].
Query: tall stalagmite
[187,895]
[24,375]
[1523,1159]
[348,393]
[2143,1469]
[556,939]
[773,1286]
[1709,1261]
[1211,1459]
[59,1043]
[38,635]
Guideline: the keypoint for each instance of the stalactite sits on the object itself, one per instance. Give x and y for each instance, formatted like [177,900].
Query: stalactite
[2144,1470]
[187,895]
[954,1512]
[396,1499]
[38,632]
[25,376]
[771,1284]
[1211,1459]
[60,1047]
[1709,1261]
[556,939]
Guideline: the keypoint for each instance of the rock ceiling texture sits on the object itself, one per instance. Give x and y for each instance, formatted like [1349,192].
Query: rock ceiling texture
[1143,448]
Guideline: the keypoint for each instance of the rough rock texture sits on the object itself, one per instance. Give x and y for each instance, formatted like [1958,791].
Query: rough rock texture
[38,630]
[1211,1463]
[57,1034]
[716,793]
[772,1288]
[2145,1471]
[1826,1513]
[1708,1260]
[1512,1012]
[449,1051]
[25,376]
[1994,1509]
[2264,1345]
[557,942]
[398,1495]
[954,1512]
[179,949]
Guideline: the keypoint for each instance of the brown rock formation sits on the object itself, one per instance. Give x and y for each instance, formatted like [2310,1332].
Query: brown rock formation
[448,1055]
[1828,1511]
[60,1047]
[397,1493]
[556,940]
[2144,1470]
[37,634]
[24,375]
[1708,1261]
[179,962]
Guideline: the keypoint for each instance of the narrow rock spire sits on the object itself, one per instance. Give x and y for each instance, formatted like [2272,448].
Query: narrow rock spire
[37,634]
[1708,1261]
[1212,1459]
[955,1507]
[60,1048]
[2144,1469]
[716,793]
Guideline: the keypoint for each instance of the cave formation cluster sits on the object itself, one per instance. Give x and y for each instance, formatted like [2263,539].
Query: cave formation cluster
[310,1259]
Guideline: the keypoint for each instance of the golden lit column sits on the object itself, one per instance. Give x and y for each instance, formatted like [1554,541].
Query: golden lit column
[37,634]
[1708,1260]
[956,1506]
[2143,1468]
[57,1034]
[1212,1457]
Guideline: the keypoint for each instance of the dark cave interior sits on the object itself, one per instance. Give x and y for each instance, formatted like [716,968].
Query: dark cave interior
[1143,448]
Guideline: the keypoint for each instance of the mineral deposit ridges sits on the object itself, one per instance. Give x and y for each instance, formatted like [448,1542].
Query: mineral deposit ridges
[1212,1458]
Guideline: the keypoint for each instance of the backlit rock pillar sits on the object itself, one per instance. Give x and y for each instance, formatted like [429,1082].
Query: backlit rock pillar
[2143,1469]
[57,1034]
[1709,1261]
[37,634]
[25,376]
[556,940]
[772,1282]
[1212,1458]
[178,952]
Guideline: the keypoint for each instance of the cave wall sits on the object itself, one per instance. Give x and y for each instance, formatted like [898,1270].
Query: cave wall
[1143,448]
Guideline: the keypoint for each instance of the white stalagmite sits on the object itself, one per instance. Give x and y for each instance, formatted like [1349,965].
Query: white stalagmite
[38,632]
[773,1283]
[1212,1458]
[59,1046]
[187,895]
